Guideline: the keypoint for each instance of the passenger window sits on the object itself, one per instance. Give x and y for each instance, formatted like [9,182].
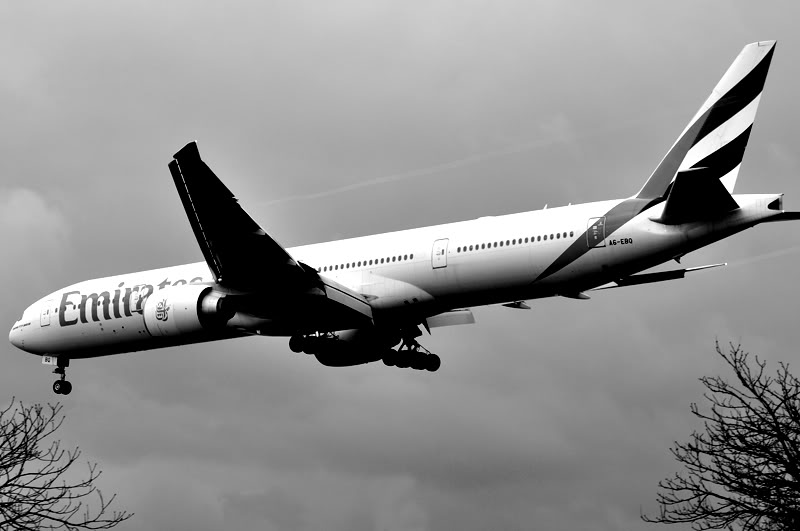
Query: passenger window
[507,243]
[545,237]
[526,240]
[411,256]
[571,234]
[483,246]
[558,235]
[405,257]
[565,234]
[551,236]
[394,258]
[470,247]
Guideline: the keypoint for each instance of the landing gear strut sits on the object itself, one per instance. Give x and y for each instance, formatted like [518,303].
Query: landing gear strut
[412,354]
[62,386]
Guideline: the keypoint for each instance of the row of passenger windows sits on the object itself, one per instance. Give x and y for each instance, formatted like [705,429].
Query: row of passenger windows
[362,263]
[520,241]
[464,249]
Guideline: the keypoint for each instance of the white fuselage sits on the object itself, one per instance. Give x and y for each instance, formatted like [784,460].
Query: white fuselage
[420,272]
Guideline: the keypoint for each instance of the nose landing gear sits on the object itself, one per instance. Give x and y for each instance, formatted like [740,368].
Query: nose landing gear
[62,386]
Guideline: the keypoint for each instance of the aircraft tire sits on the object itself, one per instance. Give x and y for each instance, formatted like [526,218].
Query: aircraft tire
[66,388]
[433,363]
[296,344]
[419,361]
[390,358]
[58,386]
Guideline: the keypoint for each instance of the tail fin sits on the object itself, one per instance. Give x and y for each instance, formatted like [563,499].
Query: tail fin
[716,137]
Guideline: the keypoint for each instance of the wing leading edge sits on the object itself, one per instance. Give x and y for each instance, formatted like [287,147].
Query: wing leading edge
[242,256]
[238,251]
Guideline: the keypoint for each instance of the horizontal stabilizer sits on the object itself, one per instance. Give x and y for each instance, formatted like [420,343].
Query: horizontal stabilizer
[785,216]
[696,194]
[649,278]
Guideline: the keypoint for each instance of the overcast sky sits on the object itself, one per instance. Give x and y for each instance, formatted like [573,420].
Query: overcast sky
[339,119]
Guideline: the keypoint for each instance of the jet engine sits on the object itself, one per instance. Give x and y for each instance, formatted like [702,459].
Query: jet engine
[179,310]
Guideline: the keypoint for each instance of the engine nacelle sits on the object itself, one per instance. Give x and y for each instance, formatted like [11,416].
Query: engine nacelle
[186,309]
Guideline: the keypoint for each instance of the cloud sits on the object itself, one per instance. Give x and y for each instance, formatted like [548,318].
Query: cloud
[34,232]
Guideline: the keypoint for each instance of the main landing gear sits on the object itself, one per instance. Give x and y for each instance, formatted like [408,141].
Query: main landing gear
[412,354]
[62,386]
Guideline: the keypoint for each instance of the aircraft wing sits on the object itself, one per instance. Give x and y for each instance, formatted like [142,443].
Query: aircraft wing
[238,251]
[242,256]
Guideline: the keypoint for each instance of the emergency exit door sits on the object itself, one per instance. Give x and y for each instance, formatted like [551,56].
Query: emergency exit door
[596,232]
[439,255]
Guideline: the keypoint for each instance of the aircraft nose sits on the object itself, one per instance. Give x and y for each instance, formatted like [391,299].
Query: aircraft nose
[13,335]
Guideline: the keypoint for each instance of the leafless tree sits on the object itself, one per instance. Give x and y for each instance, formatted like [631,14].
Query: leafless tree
[743,470]
[37,488]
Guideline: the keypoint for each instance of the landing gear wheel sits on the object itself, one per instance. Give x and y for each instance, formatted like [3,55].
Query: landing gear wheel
[433,363]
[390,358]
[62,387]
[296,344]
[418,361]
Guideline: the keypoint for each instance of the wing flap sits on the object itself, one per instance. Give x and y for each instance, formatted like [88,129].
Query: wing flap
[451,318]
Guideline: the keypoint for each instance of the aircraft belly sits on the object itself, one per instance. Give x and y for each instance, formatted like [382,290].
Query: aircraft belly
[495,270]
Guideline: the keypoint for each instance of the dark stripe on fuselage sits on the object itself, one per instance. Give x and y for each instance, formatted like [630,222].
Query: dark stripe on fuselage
[726,158]
[736,99]
[615,218]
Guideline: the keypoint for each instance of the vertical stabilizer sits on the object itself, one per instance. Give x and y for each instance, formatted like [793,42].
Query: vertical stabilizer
[716,137]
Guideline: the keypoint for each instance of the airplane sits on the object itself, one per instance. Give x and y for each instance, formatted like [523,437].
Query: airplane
[365,299]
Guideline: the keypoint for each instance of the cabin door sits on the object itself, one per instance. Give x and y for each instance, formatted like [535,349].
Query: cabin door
[596,232]
[44,318]
[439,254]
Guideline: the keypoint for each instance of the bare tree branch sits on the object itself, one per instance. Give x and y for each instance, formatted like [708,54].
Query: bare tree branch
[743,470]
[35,493]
